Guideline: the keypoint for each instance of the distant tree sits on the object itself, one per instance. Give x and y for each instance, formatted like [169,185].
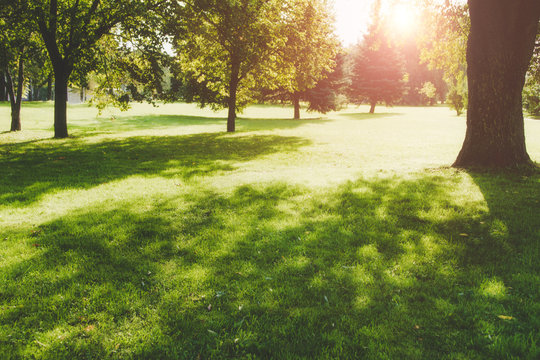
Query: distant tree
[310,48]
[329,93]
[417,72]
[377,74]
[17,42]
[444,47]
[499,51]
[531,92]
[3,89]
[229,47]
[429,91]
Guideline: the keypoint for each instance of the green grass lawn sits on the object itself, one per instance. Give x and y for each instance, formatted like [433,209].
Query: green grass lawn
[153,234]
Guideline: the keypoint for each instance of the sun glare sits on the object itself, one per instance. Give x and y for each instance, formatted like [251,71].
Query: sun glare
[354,16]
[403,18]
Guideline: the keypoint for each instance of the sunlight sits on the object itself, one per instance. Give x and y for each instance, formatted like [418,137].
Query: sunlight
[403,18]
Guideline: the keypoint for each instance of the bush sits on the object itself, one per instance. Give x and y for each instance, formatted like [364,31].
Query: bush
[531,99]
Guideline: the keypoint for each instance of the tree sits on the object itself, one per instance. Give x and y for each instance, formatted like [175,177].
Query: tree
[377,72]
[3,90]
[229,47]
[329,93]
[444,47]
[71,30]
[310,48]
[531,92]
[499,50]
[16,41]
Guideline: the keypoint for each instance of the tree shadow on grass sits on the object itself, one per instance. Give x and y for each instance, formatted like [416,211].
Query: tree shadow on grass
[505,248]
[132,123]
[372,269]
[368,116]
[31,171]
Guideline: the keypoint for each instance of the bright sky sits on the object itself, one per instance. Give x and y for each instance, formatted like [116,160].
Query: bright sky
[352,19]
[353,16]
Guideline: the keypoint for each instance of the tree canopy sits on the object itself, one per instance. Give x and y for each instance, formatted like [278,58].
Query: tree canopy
[377,71]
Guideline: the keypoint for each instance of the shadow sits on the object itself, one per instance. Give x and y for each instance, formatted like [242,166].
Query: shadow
[253,124]
[130,123]
[371,269]
[367,116]
[32,171]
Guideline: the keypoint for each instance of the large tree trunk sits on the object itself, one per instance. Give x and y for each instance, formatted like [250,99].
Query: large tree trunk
[500,46]
[233,88]
[61,76]
[296,103]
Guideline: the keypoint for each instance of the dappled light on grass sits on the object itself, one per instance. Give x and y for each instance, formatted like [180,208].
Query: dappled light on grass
[34,171]
[373,267]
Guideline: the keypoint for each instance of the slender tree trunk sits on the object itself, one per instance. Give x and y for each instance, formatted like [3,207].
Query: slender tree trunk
[16,98]
[3,89]
[30,92]
[499,50]
[49,87]
[372,108]
[15,106]
[233,88]
[81,94]
[61,75]
[296,103]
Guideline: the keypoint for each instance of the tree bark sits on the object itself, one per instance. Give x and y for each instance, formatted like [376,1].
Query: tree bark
[499,50]
[49,87]
[3,90]
[296,103]
[233,89]
[61,75]
[372,108]
[16,98]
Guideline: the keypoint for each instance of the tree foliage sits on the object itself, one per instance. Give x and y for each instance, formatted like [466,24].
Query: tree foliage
[329,93]
[310,48]
[444,47]
[229,47]
[377,74]
[71,31]
[19,47]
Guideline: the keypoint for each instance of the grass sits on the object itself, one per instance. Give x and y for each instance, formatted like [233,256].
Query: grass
[153,234]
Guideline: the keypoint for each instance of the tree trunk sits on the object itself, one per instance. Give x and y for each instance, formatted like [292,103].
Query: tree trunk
[16,98]
[233,88]
[500,46]
[61,76]
[296,103]
[372,109]
[3,90]
[49,87]
[30,92]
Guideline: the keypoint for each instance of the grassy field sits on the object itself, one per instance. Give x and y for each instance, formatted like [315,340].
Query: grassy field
[153,234]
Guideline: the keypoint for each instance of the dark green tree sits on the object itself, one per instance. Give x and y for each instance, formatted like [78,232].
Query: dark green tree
[377,74]
[329,94]
[17,44]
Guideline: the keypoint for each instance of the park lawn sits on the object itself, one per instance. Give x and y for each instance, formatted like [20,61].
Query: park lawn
[153,234]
